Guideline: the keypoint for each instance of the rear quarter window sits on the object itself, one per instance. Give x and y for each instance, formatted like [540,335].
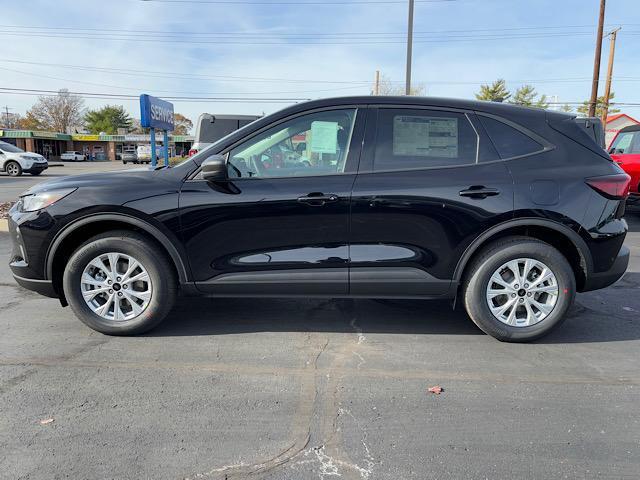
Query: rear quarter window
[508,141]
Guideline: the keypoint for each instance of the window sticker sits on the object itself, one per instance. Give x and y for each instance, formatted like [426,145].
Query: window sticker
[425,136]
[324,137]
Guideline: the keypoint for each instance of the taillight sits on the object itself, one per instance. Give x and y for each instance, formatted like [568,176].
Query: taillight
[193,151]
[611,186]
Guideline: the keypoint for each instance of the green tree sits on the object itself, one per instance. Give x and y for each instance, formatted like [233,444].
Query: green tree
[584,108]
[528,97]
[496,92]
[108,119]
[566,108]
[182,124]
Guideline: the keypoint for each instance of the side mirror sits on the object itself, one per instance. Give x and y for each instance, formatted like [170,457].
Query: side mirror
[214,168]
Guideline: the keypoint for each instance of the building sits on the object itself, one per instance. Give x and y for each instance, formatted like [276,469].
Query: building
[615,123]
[101,147]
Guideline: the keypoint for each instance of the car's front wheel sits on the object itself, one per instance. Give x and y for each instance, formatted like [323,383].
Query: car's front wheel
[519,289]
[120,283]
[13,169]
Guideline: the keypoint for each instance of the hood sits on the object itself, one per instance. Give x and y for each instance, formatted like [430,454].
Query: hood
[127,181]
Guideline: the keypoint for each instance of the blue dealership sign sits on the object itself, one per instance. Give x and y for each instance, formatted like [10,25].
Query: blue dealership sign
[156,113]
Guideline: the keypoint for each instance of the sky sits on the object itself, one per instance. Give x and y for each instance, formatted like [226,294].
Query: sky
[271,53]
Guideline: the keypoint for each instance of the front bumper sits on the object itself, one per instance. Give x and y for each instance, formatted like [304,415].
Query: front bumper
[599,280]
[20,268]
[43,287]
[36,167]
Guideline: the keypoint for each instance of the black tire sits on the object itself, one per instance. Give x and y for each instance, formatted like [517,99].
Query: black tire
[124,162]
[489,260]
[144,251]
[13,168]
[35,174]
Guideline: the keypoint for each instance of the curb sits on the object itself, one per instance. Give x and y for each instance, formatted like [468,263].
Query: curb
[4,225]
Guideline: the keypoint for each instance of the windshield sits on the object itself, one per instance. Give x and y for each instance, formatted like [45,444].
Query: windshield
[7,147]
[626,142]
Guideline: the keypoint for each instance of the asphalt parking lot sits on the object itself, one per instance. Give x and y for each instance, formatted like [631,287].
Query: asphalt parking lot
[297,389]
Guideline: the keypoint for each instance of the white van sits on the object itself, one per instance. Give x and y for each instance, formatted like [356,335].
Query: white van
[15,161]
[144,153]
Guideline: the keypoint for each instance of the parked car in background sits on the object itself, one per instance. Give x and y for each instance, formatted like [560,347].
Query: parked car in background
[129,156]
[14,161]
[143,153]
[509,210]
[72,156]
[211,128]
[625,151]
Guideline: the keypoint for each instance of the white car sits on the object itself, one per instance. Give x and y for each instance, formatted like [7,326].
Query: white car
[73,156]
[15,161]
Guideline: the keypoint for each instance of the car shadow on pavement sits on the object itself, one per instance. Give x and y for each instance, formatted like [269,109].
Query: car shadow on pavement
[221,316]
[590,320]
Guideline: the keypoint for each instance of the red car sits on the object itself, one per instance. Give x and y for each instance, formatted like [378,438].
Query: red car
[625,151]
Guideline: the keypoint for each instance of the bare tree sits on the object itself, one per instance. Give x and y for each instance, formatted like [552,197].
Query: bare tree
[387,87]
[10,120]
[58,113]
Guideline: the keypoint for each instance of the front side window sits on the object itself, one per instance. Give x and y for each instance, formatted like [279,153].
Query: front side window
[313,144]
[415,138]
[626,142]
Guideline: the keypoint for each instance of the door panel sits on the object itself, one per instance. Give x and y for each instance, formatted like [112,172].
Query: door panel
[258,225]
[264,234]
[418,222]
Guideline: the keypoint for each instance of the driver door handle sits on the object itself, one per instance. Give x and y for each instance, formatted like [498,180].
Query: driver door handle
[318,199]
[479,191]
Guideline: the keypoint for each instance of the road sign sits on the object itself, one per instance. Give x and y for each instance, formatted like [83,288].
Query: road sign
[156,113]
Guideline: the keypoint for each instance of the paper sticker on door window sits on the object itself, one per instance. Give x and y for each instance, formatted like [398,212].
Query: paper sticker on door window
[425,136]
[324,137]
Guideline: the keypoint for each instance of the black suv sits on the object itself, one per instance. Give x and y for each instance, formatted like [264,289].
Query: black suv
[509,210]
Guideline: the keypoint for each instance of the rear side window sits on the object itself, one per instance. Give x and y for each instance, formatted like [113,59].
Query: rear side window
[415,138]
[508,141]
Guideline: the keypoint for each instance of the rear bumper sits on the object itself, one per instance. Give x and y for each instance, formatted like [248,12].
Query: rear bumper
[599,280]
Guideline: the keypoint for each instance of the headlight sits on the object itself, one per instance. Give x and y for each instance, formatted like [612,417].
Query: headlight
[38,201]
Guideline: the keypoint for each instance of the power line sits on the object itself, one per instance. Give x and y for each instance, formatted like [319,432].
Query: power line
[34,92]
[328,34]
[295,2]
[118,96]
[306,41]
[235,79]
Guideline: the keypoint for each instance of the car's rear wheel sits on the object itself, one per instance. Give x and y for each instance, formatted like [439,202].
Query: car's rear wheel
[119,283]
[13,169]
[519,289]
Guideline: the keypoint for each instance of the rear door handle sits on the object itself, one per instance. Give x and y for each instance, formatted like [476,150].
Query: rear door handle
[479,191]
[318,199]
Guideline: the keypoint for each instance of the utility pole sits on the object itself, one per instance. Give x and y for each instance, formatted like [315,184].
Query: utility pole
[607,87]
[407,89]
[6,110]
[376,84]
[596,62]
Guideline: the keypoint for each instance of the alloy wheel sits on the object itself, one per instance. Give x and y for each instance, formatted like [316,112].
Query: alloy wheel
[116,286]
[13,169]
[522,292]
